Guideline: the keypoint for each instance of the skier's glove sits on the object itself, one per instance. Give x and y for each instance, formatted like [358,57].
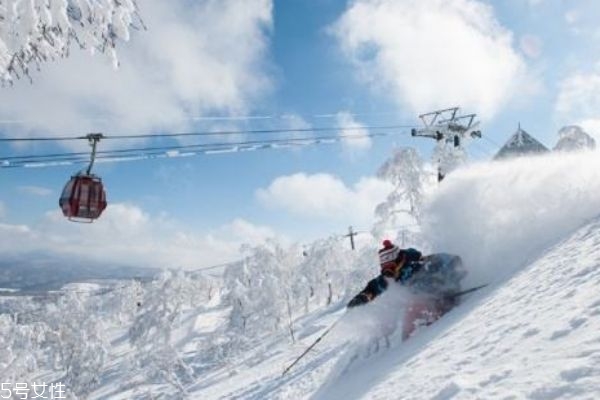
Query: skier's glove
[358,300]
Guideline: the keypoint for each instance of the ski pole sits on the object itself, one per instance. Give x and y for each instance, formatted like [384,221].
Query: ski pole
[310,347]
[467,291]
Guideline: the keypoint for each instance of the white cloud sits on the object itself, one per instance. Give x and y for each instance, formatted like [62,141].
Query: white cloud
[295,121]
[592,127]
[195,58]
[579,96]
[325,196]
[355,133]
[241,231]
[126,234]
[35,190]
[435,53]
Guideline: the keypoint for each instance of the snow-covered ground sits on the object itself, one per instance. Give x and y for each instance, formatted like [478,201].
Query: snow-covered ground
[530,228]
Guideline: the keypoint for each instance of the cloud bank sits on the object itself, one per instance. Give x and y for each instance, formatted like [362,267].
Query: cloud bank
[196,58]
[127,235]
[355,137]
[434,54]
[325,196]
[578,100]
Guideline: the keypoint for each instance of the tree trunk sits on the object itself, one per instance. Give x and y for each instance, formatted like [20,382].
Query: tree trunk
[290,321]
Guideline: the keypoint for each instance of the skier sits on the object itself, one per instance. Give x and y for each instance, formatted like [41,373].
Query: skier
[432,280]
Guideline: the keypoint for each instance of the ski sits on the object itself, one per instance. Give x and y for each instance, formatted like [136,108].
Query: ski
[467,291]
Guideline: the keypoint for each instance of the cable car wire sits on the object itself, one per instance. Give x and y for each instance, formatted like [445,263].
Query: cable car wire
[215,145]
[481,149]
[214,133]
[59,159]
[491,141]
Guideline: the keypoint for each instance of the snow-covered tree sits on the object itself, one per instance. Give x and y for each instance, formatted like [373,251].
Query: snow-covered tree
[573,138]
[321,278]
[75,341]
[21,349]
[448,156]
[258,290]
[161,307]
[36,31]
[64,335]
[121,304]
[402,207]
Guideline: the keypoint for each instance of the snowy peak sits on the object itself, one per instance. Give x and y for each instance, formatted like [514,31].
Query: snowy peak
[574,138]
[520,143]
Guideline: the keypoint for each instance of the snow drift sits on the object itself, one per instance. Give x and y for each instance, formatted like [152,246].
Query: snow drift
[499,216]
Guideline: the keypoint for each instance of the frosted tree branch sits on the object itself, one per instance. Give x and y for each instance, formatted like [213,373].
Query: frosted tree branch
[36,31]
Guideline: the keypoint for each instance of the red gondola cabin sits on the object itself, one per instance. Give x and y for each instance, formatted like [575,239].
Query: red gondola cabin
[83,199]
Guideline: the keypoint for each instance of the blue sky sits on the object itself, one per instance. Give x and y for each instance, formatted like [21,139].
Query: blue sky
[323,63]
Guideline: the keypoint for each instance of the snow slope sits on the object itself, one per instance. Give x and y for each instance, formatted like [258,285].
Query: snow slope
[535,337]
[529,227]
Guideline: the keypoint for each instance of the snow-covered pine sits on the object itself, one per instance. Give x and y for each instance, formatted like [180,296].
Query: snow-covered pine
[21,348]
[155,357]
[448,156]
[258,290]
[273,287]
[36,31]
[75,341]
[574,138]
[402,207]
[327,273]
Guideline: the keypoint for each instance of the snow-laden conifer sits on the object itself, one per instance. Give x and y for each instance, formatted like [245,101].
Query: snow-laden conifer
[402,207]
[36,31]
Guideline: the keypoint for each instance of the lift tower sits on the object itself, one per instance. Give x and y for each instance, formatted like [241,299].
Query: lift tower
[450,130]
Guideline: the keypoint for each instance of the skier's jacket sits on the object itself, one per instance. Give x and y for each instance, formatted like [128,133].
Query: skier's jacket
[436,275]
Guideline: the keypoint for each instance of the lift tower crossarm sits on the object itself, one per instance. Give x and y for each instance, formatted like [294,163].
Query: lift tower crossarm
[449,130]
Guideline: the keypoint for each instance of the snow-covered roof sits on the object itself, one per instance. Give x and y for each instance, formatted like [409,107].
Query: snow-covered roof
[519,144]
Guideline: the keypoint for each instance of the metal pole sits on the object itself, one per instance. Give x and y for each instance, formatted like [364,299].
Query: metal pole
[310,347]
[94,138]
